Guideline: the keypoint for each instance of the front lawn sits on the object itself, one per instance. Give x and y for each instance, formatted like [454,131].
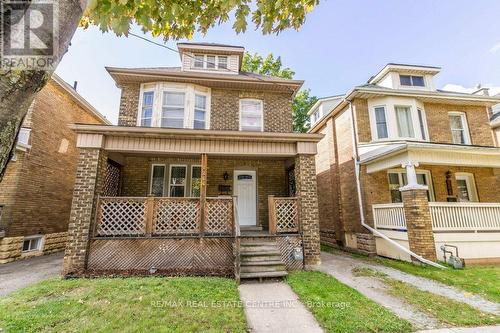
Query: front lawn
[153,304]
[339,308]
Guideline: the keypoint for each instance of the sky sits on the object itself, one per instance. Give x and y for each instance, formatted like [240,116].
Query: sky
[341,44]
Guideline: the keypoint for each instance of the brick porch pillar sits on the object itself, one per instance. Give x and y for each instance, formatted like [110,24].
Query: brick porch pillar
[90,172]
[418,215]
[305,182]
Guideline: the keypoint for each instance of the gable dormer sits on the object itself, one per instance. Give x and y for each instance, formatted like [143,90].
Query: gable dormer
[400,76]
[210,58]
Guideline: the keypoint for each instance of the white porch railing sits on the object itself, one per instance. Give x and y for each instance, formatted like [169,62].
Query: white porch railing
[389,216]
[446,216]
[465,216]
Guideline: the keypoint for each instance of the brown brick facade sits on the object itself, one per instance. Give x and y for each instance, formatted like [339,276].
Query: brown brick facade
[419,223]
[305,178]
[224,112]
[37,188]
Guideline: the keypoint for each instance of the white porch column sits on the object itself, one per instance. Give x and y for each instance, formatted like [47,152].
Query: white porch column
[411,176]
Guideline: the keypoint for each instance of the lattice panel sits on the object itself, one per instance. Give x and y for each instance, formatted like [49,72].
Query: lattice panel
[287,215]
[176,216]
[111,186]
[219,216]
[121,217]
[286,245]
[212,256]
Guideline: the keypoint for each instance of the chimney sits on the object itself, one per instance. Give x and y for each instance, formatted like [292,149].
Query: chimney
[75,85]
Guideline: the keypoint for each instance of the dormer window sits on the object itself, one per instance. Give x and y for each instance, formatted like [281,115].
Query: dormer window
[222,62]
[412,80]
[208,61]
[199,60]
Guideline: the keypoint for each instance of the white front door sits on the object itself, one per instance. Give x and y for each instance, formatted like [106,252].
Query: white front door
[246,193]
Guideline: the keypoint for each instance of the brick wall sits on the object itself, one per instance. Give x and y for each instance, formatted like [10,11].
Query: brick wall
[305,178]
[37,188]
[224,113]
[271,177]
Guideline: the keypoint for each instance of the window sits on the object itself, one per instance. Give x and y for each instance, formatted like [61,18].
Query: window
[381,122]
[147,108]
[405,123]
[32,244]
[466,187]
[210,62]
[412,80]
[251,115]
[459,130]
[421,123]
[222,62]
[195,180]
[397,179]
[177,183]
[157,180]
[173,110]
[23,137]
[200,111]
[199,60]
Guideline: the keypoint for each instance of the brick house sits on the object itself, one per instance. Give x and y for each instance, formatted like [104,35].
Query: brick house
[402,159]
[36,190]
[202,175]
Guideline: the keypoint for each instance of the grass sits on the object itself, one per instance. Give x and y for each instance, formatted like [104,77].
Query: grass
[339,308]
[442,308]
[153,304]
[365,271]
[480,280]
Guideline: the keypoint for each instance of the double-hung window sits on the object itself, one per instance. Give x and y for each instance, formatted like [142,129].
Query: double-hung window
[177,184]
[398,179]
[412,80]
[381,122]
[459,129]
[200,111]
[421,122]
[147,108]
[404,121]
[466,187]
[199,60]
[222,62]
[157,180]
[251,115]
[173,109]
[195,180]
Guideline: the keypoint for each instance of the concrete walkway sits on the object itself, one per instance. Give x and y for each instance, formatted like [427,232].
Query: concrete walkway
[22,273]
[482,329]
[274,307]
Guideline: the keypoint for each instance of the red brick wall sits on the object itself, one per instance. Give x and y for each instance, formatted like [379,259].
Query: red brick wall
[46,172]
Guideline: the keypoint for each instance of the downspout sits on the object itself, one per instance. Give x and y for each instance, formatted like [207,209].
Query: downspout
[360,199]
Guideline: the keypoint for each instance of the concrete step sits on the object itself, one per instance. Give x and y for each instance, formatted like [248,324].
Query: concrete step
[260,275]
[262,269]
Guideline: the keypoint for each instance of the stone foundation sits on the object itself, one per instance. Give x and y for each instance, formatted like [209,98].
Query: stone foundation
[366,243]
[11,248]
[327,237]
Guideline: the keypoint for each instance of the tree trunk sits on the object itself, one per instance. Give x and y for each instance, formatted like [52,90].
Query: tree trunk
[19,87]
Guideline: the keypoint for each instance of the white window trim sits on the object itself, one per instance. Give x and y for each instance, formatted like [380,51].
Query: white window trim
[170,177]
[414,122]
[427,174]
[261,108]
[205,62]
[151,178]
[189,90]
[191,179]
[412,75]
[424,124]
[465,124]
[41,243]
[470,183]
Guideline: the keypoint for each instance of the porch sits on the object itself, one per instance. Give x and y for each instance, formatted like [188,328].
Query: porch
[185,211]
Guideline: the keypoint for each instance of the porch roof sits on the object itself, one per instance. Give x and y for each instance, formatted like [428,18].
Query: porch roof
[188,141]
[393,154]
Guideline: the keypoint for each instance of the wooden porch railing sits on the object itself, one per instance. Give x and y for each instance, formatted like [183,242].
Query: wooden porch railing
[283,215]
[138,216]
[237,242]
[389,216]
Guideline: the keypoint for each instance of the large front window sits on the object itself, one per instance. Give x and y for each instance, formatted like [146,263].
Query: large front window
[398,179]
[172,110]
[459,130]
[405,123]
[251,117]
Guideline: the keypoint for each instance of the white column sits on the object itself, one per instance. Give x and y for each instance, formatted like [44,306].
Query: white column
[411,176]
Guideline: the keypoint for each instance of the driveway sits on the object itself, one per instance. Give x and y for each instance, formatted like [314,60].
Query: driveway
[19,274]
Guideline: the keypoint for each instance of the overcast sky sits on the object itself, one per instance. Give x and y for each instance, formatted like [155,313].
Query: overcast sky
[342,43]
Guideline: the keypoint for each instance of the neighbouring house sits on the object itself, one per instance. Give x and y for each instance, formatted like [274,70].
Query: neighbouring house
[403,162]
[202,175]
[37,187]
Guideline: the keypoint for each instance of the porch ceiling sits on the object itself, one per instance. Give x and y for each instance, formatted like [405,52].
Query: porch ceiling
[184,141]
[393,155]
